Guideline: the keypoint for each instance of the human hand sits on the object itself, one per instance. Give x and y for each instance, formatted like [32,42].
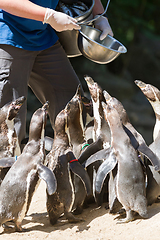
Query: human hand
[60,21]
[103,25]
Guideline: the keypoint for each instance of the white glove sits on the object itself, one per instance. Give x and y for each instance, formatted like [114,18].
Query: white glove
[60,21]
[103,25]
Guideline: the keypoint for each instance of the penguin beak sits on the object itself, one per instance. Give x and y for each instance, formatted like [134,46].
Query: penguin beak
[45,106]
[18,102]
[89,80]
[106,95]
[140,84]
[14,107]
[93,86]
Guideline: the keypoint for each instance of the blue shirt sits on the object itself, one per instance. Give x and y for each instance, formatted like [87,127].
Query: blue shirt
[26,33]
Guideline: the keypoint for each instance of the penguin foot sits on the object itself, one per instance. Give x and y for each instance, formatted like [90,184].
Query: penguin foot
[73,219]
[124,220]
[21,229]
[76,220]
[7,228]
[129,217]
[18,227]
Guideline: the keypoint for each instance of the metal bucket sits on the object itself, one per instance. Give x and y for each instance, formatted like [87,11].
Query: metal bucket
[69,39]
[96,50]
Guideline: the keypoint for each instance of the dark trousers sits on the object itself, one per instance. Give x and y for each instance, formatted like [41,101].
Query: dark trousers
[48,73]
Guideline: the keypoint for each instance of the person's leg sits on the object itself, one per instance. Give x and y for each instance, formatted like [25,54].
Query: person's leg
[53,79]
[15,68]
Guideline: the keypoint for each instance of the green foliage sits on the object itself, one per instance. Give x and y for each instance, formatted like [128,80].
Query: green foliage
[129,17]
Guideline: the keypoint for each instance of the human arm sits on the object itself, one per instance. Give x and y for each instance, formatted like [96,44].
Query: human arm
[102,22]
[23,8]
[98,8]
[27,9]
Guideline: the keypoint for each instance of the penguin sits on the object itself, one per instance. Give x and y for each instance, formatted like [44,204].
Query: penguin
[136,138]
[153,95]
[101,128]
[22,179]
[62,161]
[153,177]
[75,126]
[9,144]
[130,183]
[137,141]
[101,156]
[81,149]
[75,131]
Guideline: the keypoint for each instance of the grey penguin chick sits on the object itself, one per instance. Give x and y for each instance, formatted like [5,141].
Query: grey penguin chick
[130,185]
[153,177]
[61,160]
[20,182]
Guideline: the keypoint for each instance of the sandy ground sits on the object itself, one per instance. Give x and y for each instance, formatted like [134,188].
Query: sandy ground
[98,224]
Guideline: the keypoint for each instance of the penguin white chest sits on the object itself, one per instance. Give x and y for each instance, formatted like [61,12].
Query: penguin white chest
[30,176]
[13,146]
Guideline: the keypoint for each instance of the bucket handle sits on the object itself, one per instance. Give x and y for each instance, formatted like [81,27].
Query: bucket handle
[98,16]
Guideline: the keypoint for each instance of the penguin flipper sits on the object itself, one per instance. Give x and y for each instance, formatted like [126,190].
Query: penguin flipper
[7,162]
[106,167]
[155,161]
[48,176]
[100,155]
[77,169]
[133,140]
[91,149]
[144,149]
